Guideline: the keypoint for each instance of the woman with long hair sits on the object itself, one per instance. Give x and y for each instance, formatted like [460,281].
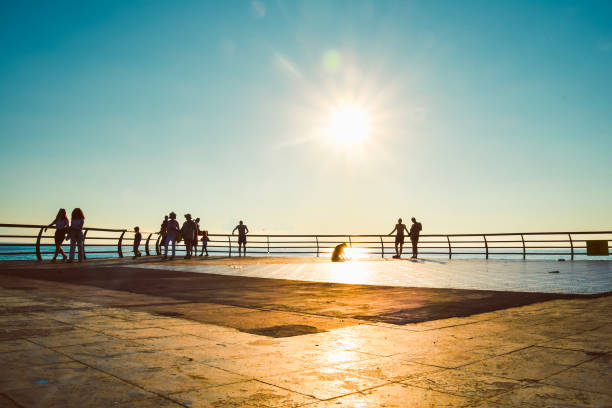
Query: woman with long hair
[77,220]
[61,224]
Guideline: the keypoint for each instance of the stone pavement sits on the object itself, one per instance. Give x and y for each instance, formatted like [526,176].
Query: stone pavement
[61,346]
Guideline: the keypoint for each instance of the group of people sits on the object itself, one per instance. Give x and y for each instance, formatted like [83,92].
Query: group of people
[339,253]
[190,232]
[71,229]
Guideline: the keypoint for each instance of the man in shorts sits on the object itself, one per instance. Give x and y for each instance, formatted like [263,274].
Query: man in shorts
[242,231]
[399,238]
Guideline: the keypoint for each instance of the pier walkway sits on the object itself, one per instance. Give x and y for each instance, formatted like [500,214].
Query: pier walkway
[279,332]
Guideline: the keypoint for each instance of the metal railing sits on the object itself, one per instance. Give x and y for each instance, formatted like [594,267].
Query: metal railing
[105,242]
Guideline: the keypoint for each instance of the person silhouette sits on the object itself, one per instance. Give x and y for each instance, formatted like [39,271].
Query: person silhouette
[339,255]
[77,220]
[189,235]
[399,238]
[415,230]
[172,228]
[61,224]
[242,231]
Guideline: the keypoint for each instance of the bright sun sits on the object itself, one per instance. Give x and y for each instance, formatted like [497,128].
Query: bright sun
[349,126]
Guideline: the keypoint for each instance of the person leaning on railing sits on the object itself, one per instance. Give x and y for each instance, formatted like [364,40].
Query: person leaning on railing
[76,234]
[61,224]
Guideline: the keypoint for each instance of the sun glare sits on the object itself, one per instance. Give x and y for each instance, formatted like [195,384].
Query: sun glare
[349,126]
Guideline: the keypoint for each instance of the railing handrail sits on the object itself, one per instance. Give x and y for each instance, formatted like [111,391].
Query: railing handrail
[480,234]
[292,242]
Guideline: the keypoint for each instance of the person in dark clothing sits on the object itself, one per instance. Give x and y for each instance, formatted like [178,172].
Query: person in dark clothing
[197,234]
[242,231]
[137,239]
[163,232]
[188,230]
[61,224]
[338,255]
[399,238]
[415,230]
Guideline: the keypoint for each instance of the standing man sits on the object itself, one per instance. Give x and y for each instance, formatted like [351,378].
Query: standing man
[415,230]
[172,229]
[242,231]
[197,234]
[399,238]
[163,232]
[188,230]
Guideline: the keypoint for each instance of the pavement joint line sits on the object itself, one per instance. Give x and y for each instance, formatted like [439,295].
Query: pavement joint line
[284,388]
[112,375]
[12,400]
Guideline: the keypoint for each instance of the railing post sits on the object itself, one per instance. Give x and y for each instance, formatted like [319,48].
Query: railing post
[38,255]
[268,237]
[382,246]
[350,243]
[158,245]
[119,249]
[571,245]
[486,246]
[147,245]
[84,237]
[317,238]
[450,249]
[229,240]
[524,249]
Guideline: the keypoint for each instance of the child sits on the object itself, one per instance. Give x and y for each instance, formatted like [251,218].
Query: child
[137,239]
[205,240]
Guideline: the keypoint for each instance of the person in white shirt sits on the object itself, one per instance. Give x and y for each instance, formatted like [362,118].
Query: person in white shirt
[171,235]
[77,220]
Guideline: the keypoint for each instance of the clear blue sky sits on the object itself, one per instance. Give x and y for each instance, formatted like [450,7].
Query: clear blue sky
[484,115]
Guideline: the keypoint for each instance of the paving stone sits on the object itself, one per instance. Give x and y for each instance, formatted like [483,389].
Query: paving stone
[584,377]
[397,395]
[149,403]
[264,365]
[441,357]
[178,378]
[539,396]
[471,385]
[74,337]
[71,373]
[387,368]
[7,403]
[101,393]
[250,394]
[324,382]
[138,333]
[16,345]
[94,351]
[31,357]
[517,368]
[173,342]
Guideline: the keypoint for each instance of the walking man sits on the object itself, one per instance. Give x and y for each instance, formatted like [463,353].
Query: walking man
[242,231]
[399,238]
[415,230]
